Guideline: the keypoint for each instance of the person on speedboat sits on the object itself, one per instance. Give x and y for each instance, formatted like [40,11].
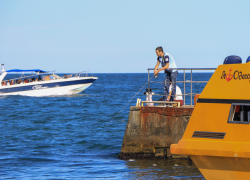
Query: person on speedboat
[20,81]
[168,64]
[3,83]
[65,76]
[46,78]
[39,78]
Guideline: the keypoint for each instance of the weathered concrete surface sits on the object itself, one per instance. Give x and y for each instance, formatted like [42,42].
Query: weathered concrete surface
[151,130]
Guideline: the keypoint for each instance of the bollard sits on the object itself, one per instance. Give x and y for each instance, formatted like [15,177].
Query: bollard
[149,95]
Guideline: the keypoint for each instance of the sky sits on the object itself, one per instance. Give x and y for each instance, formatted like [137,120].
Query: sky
[120,36]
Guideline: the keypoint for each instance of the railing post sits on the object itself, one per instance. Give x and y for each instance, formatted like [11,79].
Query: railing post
[148,78]
[184,87]
[191,87]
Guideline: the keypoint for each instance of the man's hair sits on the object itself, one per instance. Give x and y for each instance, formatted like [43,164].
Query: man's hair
[160,49]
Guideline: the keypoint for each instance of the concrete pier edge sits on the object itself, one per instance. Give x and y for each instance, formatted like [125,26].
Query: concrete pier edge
[151,130]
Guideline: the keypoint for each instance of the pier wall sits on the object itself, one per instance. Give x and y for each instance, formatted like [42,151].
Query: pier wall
[151,130]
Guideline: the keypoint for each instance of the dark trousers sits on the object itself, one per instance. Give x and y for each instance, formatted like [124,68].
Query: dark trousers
[170,77]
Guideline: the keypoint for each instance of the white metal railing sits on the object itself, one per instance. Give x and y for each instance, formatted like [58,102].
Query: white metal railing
[184,81]
[81,74]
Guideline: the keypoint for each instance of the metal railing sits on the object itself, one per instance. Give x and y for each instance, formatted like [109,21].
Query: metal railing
[81,74]
[185,81]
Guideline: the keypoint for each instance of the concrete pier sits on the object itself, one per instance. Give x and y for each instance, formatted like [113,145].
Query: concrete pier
[151,130]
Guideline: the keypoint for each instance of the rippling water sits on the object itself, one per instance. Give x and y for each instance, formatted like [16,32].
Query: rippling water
[73,137]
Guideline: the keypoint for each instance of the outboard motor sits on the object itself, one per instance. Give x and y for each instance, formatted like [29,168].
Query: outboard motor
[149,95]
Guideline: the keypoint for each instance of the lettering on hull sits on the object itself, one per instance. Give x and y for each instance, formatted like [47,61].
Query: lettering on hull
[38,87]
[235,75]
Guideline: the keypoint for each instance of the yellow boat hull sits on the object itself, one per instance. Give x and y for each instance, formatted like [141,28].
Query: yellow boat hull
[217,137]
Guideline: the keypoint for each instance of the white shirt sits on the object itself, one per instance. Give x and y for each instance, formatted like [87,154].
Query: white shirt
[178,93]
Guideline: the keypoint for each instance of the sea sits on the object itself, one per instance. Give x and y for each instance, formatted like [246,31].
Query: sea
[80,136]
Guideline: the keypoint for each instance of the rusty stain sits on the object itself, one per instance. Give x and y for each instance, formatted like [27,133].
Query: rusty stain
[154,127]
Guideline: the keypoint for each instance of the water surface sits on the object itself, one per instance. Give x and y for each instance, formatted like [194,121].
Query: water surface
[73,137]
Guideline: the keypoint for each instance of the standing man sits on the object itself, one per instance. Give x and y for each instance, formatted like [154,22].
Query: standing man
[168,64]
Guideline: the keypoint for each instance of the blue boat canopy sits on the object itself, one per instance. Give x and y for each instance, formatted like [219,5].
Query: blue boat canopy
[30,70]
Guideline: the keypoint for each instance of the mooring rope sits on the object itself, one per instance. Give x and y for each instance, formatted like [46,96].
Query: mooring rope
[129,101]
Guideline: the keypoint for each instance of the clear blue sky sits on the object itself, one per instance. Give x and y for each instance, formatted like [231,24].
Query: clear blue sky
[115,36]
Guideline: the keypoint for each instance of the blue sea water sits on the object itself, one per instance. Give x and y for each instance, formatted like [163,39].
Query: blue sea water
[74,137]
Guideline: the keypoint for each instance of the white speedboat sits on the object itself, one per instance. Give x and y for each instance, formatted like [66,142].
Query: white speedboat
[43,83]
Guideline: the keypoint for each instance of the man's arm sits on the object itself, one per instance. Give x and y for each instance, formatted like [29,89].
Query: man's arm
[156,68]
[169,95]
[156,71]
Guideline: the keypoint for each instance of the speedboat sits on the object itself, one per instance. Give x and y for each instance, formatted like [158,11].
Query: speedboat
[217,137]
[36,82]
